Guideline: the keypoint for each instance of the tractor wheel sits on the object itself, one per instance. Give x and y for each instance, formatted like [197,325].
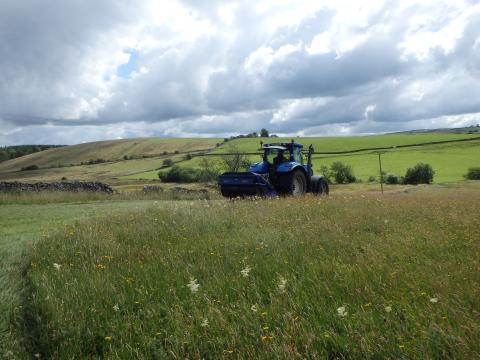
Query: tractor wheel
[294,183]
[323,188]
[319,185]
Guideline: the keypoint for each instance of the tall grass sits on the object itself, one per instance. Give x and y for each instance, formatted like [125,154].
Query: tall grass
[52,197]
[344,277]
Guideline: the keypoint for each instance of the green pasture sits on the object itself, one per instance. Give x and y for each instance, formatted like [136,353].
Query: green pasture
[450,161]
[345,143]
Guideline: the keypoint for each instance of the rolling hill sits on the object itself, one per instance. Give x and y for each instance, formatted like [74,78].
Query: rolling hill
[112,150]
[450,160]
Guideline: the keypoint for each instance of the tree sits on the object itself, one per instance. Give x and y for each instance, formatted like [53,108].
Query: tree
[264,133]
[210,169]
[235,161]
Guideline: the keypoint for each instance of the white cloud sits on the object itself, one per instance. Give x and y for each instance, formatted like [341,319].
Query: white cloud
[206,68]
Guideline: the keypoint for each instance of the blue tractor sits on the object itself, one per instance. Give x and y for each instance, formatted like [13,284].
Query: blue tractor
[283,171]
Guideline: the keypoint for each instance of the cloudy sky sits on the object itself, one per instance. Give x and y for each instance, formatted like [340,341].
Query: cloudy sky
[82,70]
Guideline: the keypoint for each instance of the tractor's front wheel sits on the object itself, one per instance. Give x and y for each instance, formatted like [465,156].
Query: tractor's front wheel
[294,183]
[319,185]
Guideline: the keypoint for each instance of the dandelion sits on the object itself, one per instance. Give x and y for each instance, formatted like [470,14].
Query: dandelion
[108,338]
[341,311]
[282,282]
[193,285]
[116,307]
[266,338]
[433,300]
[254,308]
[57,266]
[246,271]
[204,323]
[388,309]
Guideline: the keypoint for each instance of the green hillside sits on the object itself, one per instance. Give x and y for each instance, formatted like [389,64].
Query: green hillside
[108,150]
[450,160]
[345,143]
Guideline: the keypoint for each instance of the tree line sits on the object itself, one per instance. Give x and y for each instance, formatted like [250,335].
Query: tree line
[12,152]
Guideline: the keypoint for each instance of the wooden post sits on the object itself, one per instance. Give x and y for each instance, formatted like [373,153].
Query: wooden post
[380,166]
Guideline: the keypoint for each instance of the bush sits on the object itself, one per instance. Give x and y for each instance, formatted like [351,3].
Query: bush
[419,174]
[325,171]
[167,163]
[181,175]
[372,178]
[96,161]
[30,167]
[343,174]
[393,179]
[188,156]
[473,173]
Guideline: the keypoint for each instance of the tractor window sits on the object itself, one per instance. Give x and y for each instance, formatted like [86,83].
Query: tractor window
[273,155]
[297,155]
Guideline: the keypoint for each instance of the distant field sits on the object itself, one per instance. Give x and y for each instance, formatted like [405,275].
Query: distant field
[449,160]
[350,276]
[108,150]
[344,143]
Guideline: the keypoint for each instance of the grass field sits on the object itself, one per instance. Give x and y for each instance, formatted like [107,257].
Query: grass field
[450,160]
[351,276]
[345,143]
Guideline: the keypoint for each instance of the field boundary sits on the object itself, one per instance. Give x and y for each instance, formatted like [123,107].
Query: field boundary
[355,150]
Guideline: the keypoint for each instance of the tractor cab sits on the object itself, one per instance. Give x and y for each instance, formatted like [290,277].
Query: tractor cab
[278,153]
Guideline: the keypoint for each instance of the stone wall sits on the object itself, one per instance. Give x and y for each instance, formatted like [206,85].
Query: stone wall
[73,186]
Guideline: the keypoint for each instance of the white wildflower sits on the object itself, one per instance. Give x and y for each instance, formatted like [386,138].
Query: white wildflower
[433,300]
[204,323]
[193,285]
[57,266]
[246,271]
[341,311]
[116,307]
[388,309]
[282,282]
[254,308]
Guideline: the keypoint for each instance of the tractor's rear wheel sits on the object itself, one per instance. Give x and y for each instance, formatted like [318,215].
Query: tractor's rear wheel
[293,183]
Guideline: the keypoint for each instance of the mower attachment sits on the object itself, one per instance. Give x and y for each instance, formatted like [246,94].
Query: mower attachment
[245,184]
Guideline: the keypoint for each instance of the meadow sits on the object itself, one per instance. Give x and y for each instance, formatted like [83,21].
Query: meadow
[176,275]
[354,275]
